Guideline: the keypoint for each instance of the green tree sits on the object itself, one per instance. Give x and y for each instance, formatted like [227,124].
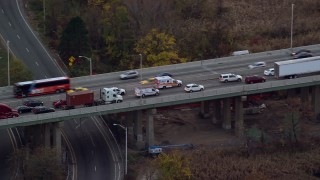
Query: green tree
[117,34]
[159,48]
[41,163]
[74,40]
[19,72]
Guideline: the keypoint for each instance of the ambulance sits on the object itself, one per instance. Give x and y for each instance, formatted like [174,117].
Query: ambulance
[163,82]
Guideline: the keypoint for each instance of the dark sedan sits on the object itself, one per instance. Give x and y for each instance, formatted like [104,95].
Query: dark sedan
[164,74]
[23,109]
[303,55]
[254,79]
[32,102]
[301,51]
[42,109]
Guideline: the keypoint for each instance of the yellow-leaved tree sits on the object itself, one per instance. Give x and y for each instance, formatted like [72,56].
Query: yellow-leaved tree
[159,49]
[174,166]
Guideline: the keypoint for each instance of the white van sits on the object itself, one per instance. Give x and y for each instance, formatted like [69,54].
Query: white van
[238,53]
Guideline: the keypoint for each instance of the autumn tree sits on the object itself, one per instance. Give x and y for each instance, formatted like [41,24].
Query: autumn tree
[159,48]
[173,166]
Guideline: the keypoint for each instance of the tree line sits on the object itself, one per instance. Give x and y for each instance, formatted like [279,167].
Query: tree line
[115,32]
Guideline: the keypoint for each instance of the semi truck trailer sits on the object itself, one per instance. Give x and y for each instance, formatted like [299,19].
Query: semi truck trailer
[86,98]
[293,68]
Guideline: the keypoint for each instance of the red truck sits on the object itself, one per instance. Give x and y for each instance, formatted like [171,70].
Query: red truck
[7,112]
[85,98]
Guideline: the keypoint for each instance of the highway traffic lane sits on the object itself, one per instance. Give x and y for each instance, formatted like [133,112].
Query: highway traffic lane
[22,42]
[93,159]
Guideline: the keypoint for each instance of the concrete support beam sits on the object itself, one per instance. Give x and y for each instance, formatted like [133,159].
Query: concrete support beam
[47,135]
[216,114]
[226,123]
[57,136]
[138,126]
[129,124]
[204,108]
[304,94]
[239,128]
[316,100]
[150,127]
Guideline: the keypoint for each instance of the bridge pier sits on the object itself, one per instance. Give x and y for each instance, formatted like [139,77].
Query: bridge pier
[57,136]
[239,128]
[137,128]
[226,123]
[304,95]
[129,125]
[47,135]
[216,114]
[316,100]
[205,109]
[150,127]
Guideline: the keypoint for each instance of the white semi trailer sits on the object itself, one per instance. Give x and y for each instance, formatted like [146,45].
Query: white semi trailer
[293,68]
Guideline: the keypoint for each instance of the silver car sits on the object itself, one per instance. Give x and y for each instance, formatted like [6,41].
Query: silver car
[257,64]
[129,75]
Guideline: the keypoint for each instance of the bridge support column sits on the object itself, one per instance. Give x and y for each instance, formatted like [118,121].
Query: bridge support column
[204,109]
[129,124]
[138,129]
[47,135]
[150,127]
[304,94]
[239,129]
[316,100]
[57,136]
[226,123]
[216,114]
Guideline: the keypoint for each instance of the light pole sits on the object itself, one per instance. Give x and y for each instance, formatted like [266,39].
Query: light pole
[89,59]
[8,62]
[291,27]
[44,17]
[140,76]
[126,129]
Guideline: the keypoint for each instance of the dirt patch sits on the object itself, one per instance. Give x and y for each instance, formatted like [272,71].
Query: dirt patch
[184,126]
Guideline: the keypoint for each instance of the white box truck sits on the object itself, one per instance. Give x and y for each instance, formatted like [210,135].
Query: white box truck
[293,68]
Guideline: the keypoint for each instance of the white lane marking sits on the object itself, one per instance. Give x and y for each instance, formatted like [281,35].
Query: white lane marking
[18,36]
[94,145]
[95,168]
[55,62]
[27,49]
[9,24]
[45,76]
[2,11]
[37,63]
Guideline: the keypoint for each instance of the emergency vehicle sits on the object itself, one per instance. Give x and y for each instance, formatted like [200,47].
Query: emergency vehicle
[163,82]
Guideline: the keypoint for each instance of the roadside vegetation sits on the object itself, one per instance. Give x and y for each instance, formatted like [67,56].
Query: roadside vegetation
[18,71]
[114,33]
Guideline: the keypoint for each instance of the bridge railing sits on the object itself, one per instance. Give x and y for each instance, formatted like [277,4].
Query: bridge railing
[159,101]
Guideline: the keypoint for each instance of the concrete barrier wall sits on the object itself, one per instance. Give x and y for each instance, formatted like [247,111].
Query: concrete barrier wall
[158,101]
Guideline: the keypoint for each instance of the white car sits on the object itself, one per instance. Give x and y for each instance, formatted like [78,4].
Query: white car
[230,77]
[119,91]
[193,87]
[146,92]
[257,64]
[269,72]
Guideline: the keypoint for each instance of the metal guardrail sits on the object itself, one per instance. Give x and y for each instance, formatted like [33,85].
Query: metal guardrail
[160,101]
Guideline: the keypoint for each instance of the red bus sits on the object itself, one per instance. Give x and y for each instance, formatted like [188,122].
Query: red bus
[43,86]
